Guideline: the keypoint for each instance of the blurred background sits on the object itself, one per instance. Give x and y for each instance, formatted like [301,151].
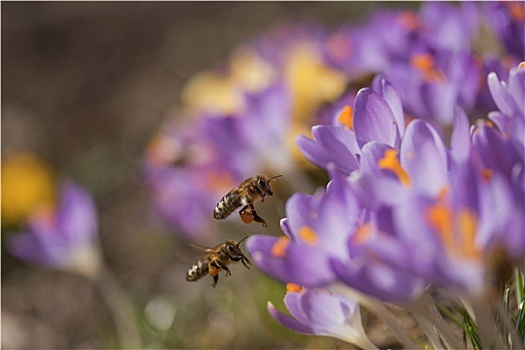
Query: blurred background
[84,87]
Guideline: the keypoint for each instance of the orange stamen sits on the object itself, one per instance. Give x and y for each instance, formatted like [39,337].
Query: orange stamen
[516,11]
[409,20]
[390,162]
[293,288]
[440,217]
[362,232]
[308,235]
[486,174]
[347,117]
[443,193]
[279,247]
[521,65]
[426,64]
[468,225]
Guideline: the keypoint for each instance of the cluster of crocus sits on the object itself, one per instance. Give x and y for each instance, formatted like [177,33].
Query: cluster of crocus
[403,211]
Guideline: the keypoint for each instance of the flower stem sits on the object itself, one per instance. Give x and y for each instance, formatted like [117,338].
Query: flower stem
[424,311]
[120,308]
[380,310]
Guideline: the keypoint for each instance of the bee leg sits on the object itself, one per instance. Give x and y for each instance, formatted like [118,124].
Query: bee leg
[215,280]
[244,261]
[220,266]
[248,214]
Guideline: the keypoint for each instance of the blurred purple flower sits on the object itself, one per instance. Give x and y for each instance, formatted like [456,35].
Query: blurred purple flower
[186,178]
[64,237]
[425,55]
[320,312]
[189,168]
[507,18]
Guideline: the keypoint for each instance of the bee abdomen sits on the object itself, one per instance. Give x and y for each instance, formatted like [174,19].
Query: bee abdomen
[198,270]
[226,206]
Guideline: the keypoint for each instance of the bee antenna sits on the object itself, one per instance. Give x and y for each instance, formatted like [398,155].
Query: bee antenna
[238,243]
[274,177]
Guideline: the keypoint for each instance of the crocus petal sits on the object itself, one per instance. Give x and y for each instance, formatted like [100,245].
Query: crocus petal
[374,120]
[423,156]
[499,93]
[333,144]
[440,98]
[340,143]
[76,217]
[517,87]
[385,89]
[307,265]
[496,213]
[313,151]
[298,211]
[294,302]
[260,248]
[288,321]
[41,250]
[460,142]
[325,310]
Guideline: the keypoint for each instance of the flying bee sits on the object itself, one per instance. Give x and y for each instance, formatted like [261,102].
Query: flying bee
[249,191]
[216,260]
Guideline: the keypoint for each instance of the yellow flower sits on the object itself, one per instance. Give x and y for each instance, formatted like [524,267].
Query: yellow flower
[311,81]
[27,182]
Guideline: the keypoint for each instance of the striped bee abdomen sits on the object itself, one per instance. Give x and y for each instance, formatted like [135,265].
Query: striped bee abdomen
[227,205]
[198,270]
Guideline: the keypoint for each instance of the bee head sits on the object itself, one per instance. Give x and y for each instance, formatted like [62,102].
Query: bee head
[233,250]
[263,183]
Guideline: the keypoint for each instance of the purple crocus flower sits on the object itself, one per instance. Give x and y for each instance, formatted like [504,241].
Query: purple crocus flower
[372,118]
[509,98]
[64,237]
[320,312]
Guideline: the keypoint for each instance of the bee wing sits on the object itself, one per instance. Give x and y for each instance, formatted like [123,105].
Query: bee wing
[201,247]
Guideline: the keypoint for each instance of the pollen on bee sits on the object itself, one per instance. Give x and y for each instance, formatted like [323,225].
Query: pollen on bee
[213,271]
[279,247]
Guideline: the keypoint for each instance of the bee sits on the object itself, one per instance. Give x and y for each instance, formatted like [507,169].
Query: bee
[245,195]
[216,260]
